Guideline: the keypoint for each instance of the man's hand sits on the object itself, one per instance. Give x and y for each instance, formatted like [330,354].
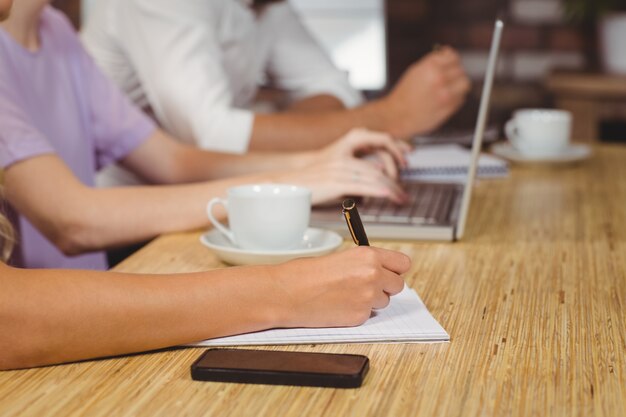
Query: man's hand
[428,93]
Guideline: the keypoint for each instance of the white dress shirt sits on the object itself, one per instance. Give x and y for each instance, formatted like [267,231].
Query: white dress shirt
[197,64]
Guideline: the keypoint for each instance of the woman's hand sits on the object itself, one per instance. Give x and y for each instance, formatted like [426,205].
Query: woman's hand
[339,289]
[362,163]
[376,147]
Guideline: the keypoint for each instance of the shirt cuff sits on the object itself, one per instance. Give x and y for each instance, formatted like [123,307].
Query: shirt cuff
[348,96]
[229,131]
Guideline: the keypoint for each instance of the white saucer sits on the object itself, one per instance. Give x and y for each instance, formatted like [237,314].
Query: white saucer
[573,153]
[314,243]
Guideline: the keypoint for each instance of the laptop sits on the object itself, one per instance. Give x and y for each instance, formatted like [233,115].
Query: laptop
[436,211]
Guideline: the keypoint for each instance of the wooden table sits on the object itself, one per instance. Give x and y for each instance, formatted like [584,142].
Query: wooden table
[534,299]
[592,99]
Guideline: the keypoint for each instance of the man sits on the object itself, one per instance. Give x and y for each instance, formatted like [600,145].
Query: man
[197,65]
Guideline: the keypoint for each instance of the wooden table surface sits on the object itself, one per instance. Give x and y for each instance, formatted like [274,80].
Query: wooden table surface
[534,299]
[592,98]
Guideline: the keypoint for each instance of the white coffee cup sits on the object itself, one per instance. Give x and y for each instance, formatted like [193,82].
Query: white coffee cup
[540,132]
[264,216]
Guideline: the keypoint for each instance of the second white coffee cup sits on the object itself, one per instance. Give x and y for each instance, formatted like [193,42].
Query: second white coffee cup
[264,216]
[540,132]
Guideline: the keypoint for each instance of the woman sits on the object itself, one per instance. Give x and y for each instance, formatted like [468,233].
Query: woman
[54,316]
[61,120]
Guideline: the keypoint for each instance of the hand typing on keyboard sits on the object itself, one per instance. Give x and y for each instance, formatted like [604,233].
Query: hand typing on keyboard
[362,163]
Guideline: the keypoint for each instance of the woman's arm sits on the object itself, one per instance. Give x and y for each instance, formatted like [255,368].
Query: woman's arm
[163,160]
[54,316]
[77,218]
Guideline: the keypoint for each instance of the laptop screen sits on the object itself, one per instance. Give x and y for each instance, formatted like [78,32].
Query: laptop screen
[480,126]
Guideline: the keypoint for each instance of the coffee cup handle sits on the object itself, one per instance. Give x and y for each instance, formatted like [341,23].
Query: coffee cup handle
[511,132]
[219,226]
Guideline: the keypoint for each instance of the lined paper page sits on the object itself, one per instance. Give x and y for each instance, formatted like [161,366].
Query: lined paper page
[450,163]
[406,319]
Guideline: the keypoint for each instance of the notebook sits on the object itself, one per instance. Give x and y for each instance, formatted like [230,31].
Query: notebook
[405,320]
[462,137]
[449,163]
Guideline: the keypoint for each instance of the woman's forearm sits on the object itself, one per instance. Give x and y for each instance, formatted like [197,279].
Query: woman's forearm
[78,219]
[198,165]
[163,160]
[59,316]
[49,316]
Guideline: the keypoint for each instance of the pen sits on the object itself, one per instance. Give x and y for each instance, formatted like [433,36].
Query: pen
[353,220]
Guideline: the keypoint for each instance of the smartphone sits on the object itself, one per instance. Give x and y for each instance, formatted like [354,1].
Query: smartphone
[281,368]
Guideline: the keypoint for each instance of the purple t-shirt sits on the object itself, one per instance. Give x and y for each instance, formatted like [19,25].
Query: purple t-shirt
[56,101]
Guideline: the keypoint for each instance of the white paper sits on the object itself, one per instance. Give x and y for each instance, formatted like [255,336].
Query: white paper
[406,319]
[450,163]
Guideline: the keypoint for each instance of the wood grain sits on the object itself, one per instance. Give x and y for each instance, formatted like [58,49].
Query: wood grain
[533,298]
[588,84]
[591,98]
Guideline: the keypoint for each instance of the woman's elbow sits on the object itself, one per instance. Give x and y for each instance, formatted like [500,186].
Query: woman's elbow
[18,351]
[20,356]
[11,359]
[73,237]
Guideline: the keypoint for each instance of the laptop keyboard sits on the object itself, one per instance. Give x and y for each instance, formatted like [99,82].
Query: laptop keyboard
[429,204]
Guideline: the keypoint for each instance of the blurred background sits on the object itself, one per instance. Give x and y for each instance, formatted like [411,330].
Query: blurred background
[552,53]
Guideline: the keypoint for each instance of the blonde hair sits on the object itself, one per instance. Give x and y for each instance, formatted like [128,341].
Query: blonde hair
[7,237]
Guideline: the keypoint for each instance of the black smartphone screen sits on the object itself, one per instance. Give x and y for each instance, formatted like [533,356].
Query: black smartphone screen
[281,368]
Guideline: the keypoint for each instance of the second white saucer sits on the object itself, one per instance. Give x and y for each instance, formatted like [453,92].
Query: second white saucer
[573,153]
[315,242]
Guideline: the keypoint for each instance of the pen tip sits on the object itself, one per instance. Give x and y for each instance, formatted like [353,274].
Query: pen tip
[348,204]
